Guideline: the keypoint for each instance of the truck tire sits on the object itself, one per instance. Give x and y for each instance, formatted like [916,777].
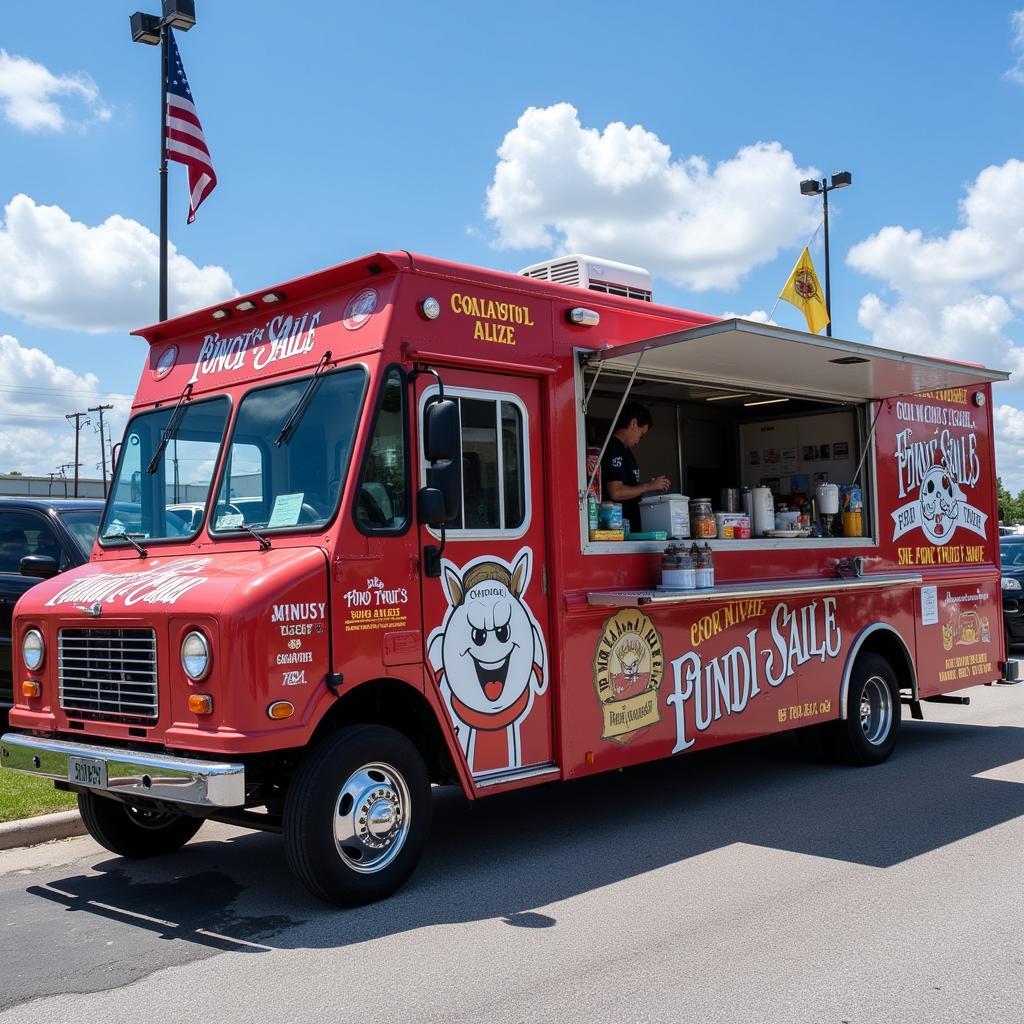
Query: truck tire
[357,815]
[135,831]
[869,732]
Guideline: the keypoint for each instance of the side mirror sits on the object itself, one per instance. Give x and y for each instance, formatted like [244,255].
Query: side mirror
[441,438]
[40,566]
[430,507]
[114,453]
[446,478]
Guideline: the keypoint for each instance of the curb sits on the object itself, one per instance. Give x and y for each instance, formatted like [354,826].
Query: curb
[41,829]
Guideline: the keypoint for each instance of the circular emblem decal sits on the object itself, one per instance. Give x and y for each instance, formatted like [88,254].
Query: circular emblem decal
[628,667]
[166,362]
[805,286]
[360,308]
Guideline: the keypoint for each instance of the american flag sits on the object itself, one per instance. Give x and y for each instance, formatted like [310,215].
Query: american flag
[185,141]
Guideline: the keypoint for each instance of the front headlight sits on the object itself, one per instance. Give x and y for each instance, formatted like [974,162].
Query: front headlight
[33,649]
[195,655]
[1010,583]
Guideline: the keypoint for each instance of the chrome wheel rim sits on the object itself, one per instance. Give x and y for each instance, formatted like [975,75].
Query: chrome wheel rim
[875,710]
[371,818]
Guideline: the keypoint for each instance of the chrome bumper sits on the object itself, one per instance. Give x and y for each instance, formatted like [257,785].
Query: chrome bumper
[178,780]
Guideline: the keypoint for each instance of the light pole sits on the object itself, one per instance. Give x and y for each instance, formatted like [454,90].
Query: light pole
[813,187]
[152,30]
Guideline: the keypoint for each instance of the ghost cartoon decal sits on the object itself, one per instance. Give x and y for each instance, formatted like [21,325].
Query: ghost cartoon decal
[940,500]
[488,654]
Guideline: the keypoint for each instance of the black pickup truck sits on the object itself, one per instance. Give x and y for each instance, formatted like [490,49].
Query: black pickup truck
[39,537]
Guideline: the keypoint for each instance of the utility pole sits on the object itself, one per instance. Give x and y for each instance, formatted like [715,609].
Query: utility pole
[77,417]
[103,445]
[64,475]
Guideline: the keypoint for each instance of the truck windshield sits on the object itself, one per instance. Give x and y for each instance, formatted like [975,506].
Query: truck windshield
[274,480]
[163,504]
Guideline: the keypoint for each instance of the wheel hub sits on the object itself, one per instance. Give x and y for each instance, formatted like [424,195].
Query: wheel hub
[380,814]
[371,819]
[876,712]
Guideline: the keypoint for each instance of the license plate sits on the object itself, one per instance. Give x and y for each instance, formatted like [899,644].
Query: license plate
[87,771]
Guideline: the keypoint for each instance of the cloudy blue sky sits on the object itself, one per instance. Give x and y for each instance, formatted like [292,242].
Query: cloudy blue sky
[672,135]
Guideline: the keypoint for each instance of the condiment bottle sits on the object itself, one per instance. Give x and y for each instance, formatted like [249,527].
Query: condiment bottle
[687,573]
[705,569]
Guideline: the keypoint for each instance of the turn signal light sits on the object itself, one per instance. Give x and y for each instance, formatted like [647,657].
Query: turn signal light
[31,688]
[200,704]
[281,709]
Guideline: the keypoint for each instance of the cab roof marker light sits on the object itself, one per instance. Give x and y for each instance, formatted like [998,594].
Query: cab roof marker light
[245,305]
[583,317]
[273,297]
[221,314]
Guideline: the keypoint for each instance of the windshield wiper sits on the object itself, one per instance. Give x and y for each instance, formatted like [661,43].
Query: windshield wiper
[264,543]
[130,537]
[300,406]
[171,430]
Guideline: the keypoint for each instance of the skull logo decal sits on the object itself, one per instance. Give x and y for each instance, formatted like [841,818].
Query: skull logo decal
[940,504]
[489,654]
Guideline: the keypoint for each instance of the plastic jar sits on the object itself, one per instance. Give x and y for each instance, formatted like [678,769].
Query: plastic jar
[702,519]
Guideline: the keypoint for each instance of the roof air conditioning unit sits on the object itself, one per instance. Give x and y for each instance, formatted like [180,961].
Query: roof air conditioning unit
[598,275]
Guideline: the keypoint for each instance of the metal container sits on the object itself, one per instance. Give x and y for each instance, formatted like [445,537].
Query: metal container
[730,500]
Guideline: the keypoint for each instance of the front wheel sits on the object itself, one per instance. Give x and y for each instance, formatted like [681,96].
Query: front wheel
[868,733]
[357,815]
[133,830]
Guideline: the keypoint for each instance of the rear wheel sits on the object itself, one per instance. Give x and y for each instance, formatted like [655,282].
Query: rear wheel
[134,830]
[869,732]
[357,815]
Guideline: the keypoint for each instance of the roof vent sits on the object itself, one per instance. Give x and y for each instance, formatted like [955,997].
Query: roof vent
[598,275]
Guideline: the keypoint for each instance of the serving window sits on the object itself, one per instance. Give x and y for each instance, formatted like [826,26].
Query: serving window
[712,442]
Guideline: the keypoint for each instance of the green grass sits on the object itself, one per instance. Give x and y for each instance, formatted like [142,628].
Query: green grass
[22,796]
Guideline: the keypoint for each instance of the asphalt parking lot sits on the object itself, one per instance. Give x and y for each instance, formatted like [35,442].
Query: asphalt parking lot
[745,883]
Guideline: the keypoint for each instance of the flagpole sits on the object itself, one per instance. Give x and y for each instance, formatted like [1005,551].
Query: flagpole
[165,31]
[828,292]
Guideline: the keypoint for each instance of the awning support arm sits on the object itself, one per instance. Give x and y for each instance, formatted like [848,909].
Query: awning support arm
[867,442]
[611,428]
[590,390]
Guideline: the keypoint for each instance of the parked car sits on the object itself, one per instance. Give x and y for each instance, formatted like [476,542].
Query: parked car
[1011,552]
[39,537]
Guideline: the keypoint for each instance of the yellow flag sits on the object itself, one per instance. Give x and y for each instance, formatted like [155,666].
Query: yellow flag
[804,292]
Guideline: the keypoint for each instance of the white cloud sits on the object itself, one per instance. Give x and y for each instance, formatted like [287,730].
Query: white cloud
[35,394]
[953,295]
[1009,429]
[1016,73]
[617,192]
[959,295]
[30,96]
[759,316]
[58,272]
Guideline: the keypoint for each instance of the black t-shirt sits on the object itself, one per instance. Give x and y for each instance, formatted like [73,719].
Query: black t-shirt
[618,464]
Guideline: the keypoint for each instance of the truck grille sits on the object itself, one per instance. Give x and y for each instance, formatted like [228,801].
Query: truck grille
[108,674]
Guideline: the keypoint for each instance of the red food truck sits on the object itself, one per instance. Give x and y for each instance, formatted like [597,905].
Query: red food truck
[392,581]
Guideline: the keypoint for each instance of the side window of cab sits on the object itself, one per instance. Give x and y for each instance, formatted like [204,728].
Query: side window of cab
[382,501]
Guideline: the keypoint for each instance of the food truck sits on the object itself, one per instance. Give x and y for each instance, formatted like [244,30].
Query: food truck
[395,580]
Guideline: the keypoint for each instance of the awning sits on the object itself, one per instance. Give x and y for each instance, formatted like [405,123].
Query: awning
[744,355]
